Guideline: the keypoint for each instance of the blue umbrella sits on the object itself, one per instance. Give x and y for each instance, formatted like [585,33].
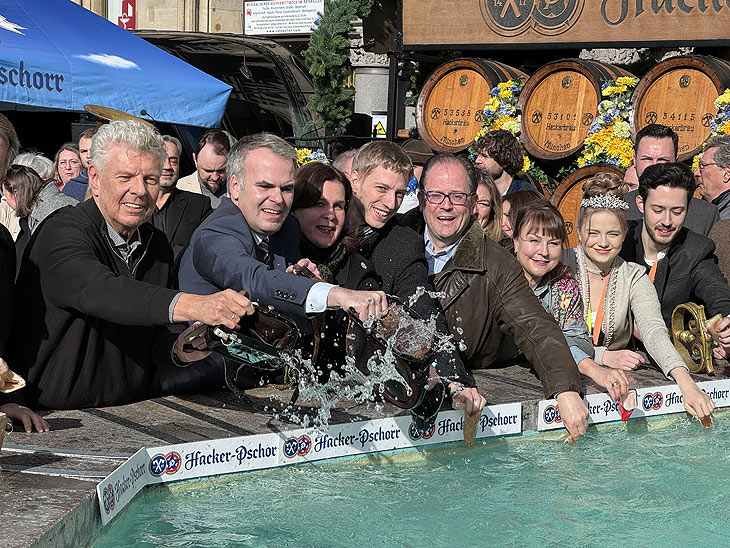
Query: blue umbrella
[56,54]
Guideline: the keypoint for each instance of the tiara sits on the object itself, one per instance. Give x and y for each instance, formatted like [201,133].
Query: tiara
[604,201]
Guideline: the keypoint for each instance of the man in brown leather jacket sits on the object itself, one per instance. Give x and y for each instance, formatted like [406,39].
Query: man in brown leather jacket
[485,292]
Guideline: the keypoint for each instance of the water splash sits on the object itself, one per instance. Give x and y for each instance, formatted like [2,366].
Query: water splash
[350,383]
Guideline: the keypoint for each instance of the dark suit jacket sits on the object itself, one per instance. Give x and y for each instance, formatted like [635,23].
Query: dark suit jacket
[701,217]
[688,272]
[222,254]
[185,212]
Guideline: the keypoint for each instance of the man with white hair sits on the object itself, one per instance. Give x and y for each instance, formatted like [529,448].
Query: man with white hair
[713,174]
[91,322]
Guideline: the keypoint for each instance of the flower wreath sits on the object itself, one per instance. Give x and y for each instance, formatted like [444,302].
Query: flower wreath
[307,156]
[609,137]
[502,111]
[720,124]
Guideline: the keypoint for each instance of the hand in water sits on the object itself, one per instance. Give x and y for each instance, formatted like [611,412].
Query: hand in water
[696,401]
[574,413]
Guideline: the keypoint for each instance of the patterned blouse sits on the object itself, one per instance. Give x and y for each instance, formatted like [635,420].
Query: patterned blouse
[560,295]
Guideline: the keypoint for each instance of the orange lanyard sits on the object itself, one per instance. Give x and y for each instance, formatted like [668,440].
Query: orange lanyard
[652,270]
[599,314]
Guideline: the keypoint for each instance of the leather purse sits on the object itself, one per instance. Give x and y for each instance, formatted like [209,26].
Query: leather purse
[401,332]
[260,342]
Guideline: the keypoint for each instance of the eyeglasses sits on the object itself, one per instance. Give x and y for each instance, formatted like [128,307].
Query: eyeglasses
[708,164]
[456,198]
[69,163]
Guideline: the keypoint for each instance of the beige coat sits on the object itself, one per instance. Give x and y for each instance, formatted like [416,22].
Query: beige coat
[634,299]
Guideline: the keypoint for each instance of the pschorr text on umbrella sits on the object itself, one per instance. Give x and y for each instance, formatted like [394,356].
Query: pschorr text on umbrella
[25,79]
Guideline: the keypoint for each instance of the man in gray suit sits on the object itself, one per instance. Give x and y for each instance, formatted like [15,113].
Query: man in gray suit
[251,243]
[657,144]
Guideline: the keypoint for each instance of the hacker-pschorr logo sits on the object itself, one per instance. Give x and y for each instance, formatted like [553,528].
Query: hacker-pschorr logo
[547,17]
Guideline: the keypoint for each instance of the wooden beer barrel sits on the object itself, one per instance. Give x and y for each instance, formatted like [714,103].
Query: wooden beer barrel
[569,193]
[559,103]
[451,103]
[680,93]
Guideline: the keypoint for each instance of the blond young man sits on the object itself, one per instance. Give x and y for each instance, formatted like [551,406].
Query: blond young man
[380,174]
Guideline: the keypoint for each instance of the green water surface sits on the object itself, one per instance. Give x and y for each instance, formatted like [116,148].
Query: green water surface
[661,483]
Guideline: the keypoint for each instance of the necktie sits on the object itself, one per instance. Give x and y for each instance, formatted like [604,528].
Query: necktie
[265,255]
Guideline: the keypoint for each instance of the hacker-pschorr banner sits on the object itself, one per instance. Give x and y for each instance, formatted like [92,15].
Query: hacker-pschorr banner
[659,400]
[225,456]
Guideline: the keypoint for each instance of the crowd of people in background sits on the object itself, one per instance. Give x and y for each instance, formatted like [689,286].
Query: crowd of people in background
[110,260]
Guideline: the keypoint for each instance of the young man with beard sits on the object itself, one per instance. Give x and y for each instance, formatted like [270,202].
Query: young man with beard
[177,212]
[680,262]
[380,174]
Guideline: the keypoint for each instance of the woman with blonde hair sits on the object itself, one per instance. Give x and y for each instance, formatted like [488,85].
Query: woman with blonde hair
[68,164]
[617,294]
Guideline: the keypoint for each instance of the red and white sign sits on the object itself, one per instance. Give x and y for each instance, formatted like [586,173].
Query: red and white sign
[122,13]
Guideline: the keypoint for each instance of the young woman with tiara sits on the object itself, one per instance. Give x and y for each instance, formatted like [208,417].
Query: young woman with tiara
[617,294]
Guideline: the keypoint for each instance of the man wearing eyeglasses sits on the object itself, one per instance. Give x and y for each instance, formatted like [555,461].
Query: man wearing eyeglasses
[380,174]
[483,290]
[713,174]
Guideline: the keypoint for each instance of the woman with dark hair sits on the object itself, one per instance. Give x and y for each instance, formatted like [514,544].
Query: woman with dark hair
[539,234]
[68,164]
[322,196]
[32,199]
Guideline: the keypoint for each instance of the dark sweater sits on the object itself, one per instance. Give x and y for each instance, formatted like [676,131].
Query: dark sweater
[86,331]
